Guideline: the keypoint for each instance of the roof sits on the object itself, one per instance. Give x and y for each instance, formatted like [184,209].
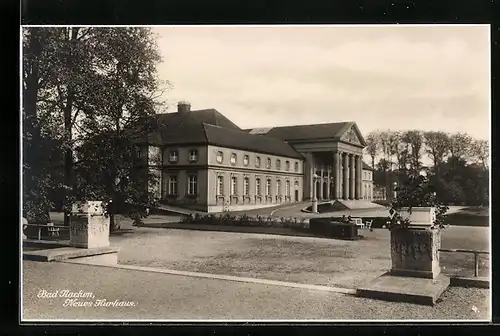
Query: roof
[305,132]
[239,139]
[205,127]
[213,117]
[366,167]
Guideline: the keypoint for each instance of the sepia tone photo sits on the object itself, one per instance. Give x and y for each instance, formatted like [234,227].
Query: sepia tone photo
[255,173]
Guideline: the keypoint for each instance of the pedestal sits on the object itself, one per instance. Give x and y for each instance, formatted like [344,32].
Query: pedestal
[415,253]
[89,227]
[415,274]
[314,206]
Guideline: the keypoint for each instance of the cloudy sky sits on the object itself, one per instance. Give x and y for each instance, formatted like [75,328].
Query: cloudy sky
[381,77]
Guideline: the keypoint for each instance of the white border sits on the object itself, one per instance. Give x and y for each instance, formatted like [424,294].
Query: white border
[121,321]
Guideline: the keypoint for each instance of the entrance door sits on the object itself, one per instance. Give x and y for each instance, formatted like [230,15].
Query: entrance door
[296,195]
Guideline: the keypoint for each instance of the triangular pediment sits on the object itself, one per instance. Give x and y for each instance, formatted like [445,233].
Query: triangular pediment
[353,136]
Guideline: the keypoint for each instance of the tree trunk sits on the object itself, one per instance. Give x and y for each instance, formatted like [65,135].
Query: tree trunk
[32,145]
[68,154]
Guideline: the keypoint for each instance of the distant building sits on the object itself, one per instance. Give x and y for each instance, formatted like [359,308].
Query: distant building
[206,162]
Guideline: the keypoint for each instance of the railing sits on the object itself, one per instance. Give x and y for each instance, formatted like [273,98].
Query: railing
[476,257]
[48,227]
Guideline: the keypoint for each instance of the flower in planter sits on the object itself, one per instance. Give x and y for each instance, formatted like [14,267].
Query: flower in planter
[417,191]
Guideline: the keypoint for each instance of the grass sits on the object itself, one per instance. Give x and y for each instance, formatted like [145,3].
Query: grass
[318,261]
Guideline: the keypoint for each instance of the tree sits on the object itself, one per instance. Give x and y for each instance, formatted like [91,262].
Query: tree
[78,82]
[437,147]
[120,119]
[480,152]
[414,139]
[372,146]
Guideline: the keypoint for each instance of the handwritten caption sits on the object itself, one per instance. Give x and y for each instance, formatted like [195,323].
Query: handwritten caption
[82,299]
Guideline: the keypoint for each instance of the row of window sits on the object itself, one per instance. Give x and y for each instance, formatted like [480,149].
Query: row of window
[246,161]
[174,156]
[192,185]
[258,188]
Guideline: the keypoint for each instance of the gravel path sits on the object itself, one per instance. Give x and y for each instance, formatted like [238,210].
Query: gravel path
[316,261]
[162,296]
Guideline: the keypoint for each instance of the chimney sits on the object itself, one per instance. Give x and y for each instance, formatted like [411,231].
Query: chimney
[183,106]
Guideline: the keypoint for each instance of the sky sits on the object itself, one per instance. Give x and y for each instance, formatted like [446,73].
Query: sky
[382,77]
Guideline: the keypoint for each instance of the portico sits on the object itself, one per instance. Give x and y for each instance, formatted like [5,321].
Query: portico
[337,161]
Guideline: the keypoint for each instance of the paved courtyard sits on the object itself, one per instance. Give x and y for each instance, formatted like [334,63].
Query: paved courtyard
[162,296]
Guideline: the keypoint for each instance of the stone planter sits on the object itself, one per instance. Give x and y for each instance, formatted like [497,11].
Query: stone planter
[420,217]
[415,252]
[89,226]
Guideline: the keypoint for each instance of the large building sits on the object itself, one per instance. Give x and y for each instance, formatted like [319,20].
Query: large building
[206,162]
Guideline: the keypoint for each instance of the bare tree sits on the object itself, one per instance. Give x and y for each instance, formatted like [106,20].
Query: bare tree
[480,152]
[437,146]
[414,139]
[460,145]
[373,146]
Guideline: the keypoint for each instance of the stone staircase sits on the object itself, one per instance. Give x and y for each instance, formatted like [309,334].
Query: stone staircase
[355,204]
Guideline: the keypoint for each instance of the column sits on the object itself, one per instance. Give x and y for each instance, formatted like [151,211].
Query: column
[308,176]
[345,176]
[352,175]
[358,177]
[336,175]
[320,182]
[328,186]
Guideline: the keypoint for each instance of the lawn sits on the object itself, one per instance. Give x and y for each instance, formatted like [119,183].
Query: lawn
[319,261]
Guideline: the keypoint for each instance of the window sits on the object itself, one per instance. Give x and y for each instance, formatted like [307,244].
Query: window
[296,166]
[257,186]
[220,185]
[193,155]
[172,185]
[268,187]
[220,157]
[287,165]
[246,186]
[268,165]
[257,162]
[233,158]
[234,182]
[296,184]
[278,187]
[245,160]
[174,156]
[278,164]
[192,185]
[287,188]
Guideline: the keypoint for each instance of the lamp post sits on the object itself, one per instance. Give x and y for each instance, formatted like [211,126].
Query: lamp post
[314,205]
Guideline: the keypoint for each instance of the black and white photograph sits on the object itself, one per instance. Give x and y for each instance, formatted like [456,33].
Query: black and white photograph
[219,173]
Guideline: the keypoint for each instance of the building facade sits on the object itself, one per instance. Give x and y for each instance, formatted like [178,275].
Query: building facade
[206,162]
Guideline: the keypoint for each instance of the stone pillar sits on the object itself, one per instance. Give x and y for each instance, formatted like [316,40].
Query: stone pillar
[328,187]
[352,176]
[308,176]
[337,164]
[358,177]
[89,227]
[345,176]
[321,196]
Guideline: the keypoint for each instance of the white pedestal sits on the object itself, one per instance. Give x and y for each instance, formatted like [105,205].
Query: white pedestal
[89,227]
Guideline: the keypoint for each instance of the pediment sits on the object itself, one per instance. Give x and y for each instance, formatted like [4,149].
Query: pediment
[353,136]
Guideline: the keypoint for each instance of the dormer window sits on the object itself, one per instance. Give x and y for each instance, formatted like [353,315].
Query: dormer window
[296,166]
[220,157]
[278,164]
[233,158]
[257,161]
[193,155]
[245,160]
[268,165]
[287,165]
[174,156]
